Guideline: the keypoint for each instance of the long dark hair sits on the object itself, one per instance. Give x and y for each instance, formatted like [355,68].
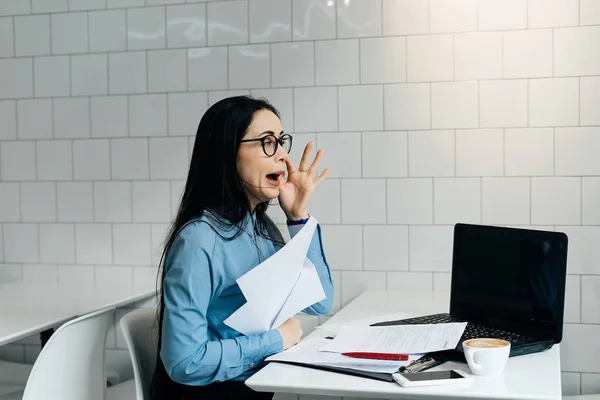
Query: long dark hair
[214,187]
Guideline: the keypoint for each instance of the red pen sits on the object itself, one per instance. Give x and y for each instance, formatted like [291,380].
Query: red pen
[377,356]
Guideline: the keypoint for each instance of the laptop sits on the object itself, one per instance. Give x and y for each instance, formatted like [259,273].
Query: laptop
[507,283]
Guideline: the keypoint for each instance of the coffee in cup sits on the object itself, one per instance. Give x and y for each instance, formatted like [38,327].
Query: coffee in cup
[486,356]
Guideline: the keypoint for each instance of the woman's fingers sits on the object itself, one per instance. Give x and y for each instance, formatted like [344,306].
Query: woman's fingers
[313,168]
[304,160]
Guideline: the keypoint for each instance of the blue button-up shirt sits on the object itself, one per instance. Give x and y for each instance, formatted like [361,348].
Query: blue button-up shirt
[200,292]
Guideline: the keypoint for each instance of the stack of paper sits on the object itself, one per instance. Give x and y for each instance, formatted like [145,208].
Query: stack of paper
[280,287]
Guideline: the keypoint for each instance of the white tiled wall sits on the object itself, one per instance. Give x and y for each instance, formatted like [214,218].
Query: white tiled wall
[431,112]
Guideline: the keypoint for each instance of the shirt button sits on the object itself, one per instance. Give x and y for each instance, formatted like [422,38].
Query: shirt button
[252,364]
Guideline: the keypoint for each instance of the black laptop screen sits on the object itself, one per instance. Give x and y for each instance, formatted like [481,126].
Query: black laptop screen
[510,278]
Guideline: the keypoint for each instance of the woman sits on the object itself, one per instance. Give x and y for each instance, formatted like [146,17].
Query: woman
[221,231]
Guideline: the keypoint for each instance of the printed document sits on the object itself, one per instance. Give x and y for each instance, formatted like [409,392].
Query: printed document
[280,287]
[307,352]
[406,339]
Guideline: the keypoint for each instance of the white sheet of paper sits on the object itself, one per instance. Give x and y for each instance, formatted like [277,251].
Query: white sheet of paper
[406,339]
[307,291]
[307,352]
[278,288]
[334,328]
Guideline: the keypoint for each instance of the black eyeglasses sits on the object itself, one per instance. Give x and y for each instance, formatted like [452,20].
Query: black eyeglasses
[270,143]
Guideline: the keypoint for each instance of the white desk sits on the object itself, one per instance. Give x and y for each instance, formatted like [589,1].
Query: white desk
[27,309]
[534,376]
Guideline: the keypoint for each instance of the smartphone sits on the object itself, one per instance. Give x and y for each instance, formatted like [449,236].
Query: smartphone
[429,378]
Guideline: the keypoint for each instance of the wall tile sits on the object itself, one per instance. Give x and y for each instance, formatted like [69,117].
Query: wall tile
[207,68]
[407,106]
[34,128]
[589,12]
[52,76]
[430,58]
[384,154]
[132,244]
[283,100]
[503,103]
[168,158]
[575,51]
[115,278]
[167,71]
[342,153]
[505,201]
[326,202]
[21,243]
[556,201]
[383,60]
[516,145]
[129,159]
[337,62]
[185,111]
[315,109]
[148,115]
[7,47]
[576,352]
[16,78]
[91,159]
[403,17]
[456,200]
[552,13]
[75,5]
[409,280]
[146,28]
[186,25]
[554,102]
[574,151]
[17,161]
[227,22]
[89,75]
[386,248]
[249,66]
[454,105]
[343,245]
[313,20]
[8,116]
[409,201]
[151,201]
[355,283]
[360,18]
[590,299]
[430,248]
[270,21]
[10,198]
[452,16]
[71,117]
[590,383]
[527,54]
[293,64]
[363,201]
[589,92]
[582,257]
[54,160]
[75,201]
[57,243]
[93,244]
[32,35]
[431,153]
[127,72]
[112,202]
[69,33]
[573,299]
[79,278]
[590,193]
[497,15]
[124,3]
[479,152]
[109,116]
[361,108]
[478,56]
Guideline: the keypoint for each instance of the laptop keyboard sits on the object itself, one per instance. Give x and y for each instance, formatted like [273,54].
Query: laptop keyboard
[471,331]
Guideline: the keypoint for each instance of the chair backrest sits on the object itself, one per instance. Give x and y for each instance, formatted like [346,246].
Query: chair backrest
[71,364]
[140,330]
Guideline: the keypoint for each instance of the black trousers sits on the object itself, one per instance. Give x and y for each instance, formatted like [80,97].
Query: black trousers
[164,388]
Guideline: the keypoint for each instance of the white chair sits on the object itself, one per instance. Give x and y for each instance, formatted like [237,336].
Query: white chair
[71,364]
[140,330]
[583,397]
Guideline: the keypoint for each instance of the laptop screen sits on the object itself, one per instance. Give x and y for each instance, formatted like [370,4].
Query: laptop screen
[512,279]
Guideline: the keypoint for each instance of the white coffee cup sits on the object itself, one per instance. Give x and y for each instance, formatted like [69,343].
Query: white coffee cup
[486,356]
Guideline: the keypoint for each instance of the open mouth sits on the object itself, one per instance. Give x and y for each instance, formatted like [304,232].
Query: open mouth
[274,177]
